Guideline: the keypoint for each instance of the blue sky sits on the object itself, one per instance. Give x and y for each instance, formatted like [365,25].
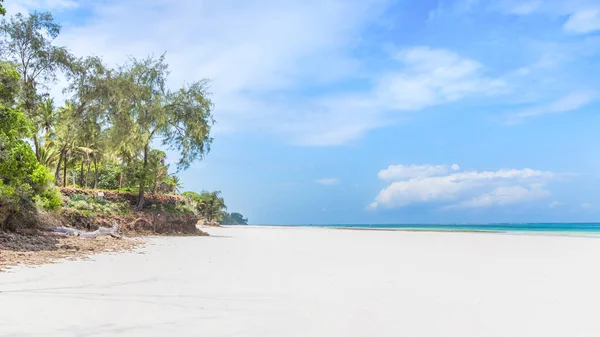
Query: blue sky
[377,111]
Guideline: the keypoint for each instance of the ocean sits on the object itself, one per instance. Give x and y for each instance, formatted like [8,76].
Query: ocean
[494,227]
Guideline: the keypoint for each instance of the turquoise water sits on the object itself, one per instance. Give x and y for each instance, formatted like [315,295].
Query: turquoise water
[500,227]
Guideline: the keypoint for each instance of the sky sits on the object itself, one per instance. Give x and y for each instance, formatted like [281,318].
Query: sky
[376,111]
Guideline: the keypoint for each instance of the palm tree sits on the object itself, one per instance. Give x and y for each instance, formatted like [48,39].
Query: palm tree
[44,121]
[172,184]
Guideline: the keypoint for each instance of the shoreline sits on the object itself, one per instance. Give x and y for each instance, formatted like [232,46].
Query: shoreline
[425,230]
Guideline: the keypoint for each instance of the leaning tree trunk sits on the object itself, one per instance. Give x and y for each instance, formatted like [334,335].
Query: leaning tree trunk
[140,205]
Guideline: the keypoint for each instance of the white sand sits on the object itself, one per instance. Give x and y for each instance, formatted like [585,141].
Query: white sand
[316,282]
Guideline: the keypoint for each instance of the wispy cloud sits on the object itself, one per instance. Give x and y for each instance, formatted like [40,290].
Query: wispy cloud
[327,181]
[25,6]
[505,195]
[260,56]
[555,204]
[584,21]
[571,102]
[400,172]
[432,77]
[259,72]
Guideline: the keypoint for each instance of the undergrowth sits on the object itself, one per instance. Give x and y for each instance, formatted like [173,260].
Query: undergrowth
[96,205]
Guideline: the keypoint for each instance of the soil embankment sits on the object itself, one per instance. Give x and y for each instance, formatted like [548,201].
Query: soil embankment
[83,210]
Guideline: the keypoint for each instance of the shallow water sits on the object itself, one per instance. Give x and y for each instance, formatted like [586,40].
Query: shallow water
[498,227]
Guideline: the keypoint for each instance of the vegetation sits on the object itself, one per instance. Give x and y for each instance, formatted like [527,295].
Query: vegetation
[25,184]
[208,205]
[233,219]
[102,135]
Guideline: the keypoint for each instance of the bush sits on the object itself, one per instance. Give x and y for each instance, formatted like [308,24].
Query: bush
[96,205]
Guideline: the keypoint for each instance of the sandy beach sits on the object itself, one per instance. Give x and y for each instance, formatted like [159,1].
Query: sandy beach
[249,281]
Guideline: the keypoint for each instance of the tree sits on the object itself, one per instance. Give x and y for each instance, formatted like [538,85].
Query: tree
[209,205]
[142,110]
[171,184]
[233,219]
[24,183]
[2,9]
[28,44]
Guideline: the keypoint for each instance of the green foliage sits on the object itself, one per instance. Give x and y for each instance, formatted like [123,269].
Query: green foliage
[233,219]
[179,208]
[9,83]
[143,110]
[29,46]
[108,176]
[96,205]
[102,136]
[208,205]
[24,183]
[2,9]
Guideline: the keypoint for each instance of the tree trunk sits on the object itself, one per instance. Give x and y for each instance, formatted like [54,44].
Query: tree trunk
[87,173]
[95,173]
[155,182]
[57,172]
[65,169]
[141,200]
[121,176]
[36,144]
[81,173]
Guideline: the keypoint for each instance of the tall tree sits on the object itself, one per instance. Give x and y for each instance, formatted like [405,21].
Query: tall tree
[84,117]
[28,43]
[144,110]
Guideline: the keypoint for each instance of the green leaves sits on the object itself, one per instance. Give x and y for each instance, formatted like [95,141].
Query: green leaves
[23,181]
[28,45]
[233,219]
[189,121]
[209,205]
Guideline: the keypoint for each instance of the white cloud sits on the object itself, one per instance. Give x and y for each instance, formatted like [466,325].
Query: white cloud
[399,172]
[583,15]
[584,21]
[586,205]
[505,195]
[261,56]
[463,189]
[432,77]
[571,102]
[327,181]
[25,6]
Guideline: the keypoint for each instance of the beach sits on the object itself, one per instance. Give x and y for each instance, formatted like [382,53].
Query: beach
[269,281]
